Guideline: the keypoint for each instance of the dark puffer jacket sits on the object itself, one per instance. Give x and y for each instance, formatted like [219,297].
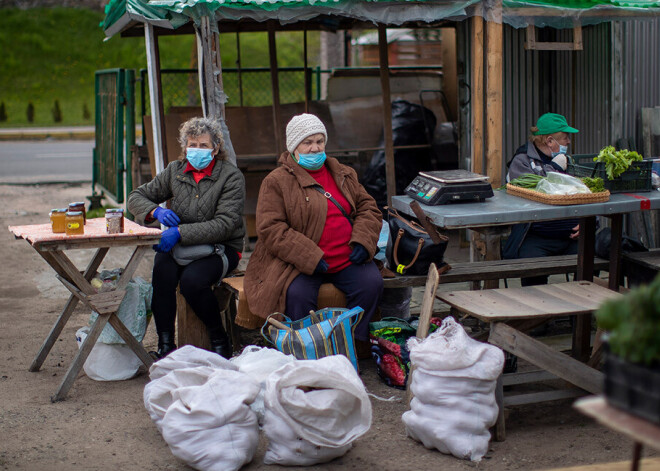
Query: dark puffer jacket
[211,211]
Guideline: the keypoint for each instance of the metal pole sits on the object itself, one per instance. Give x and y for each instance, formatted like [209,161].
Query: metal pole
[129,90]
[390,173]
[305,74]
[275,86]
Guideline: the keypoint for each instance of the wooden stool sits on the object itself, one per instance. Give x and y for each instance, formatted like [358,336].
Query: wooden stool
[329,296]
[192,331]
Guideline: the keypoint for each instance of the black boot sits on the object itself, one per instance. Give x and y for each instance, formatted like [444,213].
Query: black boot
[220,343]
[166,344]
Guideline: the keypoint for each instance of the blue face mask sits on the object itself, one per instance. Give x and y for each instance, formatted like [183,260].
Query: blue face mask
[199,158]
[562,149]
[311,161]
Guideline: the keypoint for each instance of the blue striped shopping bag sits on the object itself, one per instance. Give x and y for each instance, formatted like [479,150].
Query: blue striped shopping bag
[328,331]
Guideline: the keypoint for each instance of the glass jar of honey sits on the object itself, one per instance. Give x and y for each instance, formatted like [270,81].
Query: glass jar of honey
[74,223]
[57,217]
[114,221]
[79,206]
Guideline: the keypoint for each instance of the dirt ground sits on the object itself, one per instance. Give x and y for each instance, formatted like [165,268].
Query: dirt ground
[103,425]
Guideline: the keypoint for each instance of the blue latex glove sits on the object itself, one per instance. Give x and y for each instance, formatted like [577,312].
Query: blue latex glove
[359,255]
[168,239]
[166,217]
[322,267]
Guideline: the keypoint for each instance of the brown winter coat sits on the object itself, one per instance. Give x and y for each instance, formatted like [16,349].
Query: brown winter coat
[290,220]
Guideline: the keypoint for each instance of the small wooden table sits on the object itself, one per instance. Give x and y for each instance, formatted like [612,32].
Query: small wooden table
[51,247]
[640,430]
[511,311]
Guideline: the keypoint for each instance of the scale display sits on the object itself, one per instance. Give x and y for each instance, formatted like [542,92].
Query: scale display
[447,186]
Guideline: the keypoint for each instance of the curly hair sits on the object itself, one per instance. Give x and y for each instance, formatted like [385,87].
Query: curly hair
[196,127]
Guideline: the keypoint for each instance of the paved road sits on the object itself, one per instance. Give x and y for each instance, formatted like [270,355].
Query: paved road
[45,161]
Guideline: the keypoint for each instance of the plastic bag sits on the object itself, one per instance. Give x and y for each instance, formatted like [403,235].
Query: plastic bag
[453,384]
[133,310]
[315,409]
[259,363]
[108,362]
[188,357]
[557,183]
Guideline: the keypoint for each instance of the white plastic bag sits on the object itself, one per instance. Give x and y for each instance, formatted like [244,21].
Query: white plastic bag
[188,357]
[132,311]
[108,362]
[454,391]
[211,427]
[557,183]
[315,409]
[259,363]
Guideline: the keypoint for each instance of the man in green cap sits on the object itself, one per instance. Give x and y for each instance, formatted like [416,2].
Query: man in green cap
[545,152]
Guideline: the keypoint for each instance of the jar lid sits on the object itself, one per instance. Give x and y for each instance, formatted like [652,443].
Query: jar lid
[59,210]
[74,213]
[114,210]
[76,203]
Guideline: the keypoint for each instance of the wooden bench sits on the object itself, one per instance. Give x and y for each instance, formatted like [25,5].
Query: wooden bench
[641,267]
[512,311]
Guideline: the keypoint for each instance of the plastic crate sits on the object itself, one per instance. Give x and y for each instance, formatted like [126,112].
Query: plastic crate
[631,387]
[636,178]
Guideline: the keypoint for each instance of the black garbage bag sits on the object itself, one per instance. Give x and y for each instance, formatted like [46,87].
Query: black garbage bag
[412,124]
[604,240]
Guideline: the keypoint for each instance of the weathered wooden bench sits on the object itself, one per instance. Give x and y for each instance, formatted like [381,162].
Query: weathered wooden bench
[641,267]
[233,303]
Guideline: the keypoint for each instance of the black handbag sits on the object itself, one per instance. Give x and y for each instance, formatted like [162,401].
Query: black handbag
[410,250]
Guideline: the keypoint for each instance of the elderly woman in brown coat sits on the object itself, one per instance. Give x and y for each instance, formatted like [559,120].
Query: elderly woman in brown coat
[315,224]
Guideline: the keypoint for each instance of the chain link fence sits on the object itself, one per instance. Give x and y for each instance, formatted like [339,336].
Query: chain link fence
[247,87]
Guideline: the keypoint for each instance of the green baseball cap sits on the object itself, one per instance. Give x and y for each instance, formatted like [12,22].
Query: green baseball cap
[550,123]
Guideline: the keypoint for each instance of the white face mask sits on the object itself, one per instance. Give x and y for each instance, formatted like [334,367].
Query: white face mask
[562,149]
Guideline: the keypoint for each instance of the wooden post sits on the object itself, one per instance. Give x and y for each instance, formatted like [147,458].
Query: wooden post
[155,97]
[477,94]
[305,74]
[494,117]
[239,72]
[275,87]
[211,86]
[390,170]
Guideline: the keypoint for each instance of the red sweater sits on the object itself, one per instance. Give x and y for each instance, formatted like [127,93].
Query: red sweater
[337,231]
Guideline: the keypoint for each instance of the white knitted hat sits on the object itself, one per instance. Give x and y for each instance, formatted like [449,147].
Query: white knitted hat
[302,126]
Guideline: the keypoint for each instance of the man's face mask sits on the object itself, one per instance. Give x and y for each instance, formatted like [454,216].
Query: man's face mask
[562,149]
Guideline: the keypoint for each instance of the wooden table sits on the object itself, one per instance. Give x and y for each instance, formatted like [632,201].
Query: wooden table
[640,430]
[52,249]
[511,311]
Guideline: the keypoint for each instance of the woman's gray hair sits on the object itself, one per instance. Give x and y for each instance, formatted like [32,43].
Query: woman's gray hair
[196,127]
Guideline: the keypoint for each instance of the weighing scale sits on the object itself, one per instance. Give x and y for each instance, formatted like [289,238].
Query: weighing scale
[447,186]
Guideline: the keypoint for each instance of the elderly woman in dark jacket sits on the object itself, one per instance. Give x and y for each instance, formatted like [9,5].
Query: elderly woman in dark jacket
[306,239]
[207,195]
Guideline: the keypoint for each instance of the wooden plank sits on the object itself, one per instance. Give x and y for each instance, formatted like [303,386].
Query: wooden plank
[64,316]
[647,464]
[107,302]
[72,273]
[155,98]
[511,379]
[131,341]
[190,329]
[494,94]
[427,302]
[477,93]
[275,87]
[634,427]
[544,396]
[538,354]
[390,169]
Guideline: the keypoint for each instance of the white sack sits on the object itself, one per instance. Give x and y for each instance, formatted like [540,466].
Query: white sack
[211,427]
[322,402]
[188,357]
[108,362]
[454,391]
[259,363]
[158,394]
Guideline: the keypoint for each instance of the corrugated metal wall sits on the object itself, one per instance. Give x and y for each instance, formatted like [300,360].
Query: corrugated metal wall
[536,82]
[640,64]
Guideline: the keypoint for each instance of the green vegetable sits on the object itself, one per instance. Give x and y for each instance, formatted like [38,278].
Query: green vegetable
[527,180]
[633,324]
[616,161]
[596,185]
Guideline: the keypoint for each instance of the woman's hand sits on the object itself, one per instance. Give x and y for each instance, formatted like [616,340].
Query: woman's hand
[575,234]
[167,217]
[359,255]
[321,267]
[168,240]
